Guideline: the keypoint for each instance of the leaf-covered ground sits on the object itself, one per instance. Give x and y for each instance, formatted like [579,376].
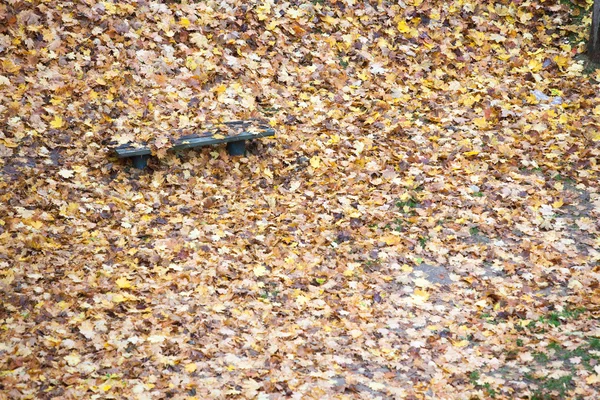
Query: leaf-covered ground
[424,224]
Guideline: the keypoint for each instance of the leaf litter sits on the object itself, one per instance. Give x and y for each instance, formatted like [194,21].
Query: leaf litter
[424,224]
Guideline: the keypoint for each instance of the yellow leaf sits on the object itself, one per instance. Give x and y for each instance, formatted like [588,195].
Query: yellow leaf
[461,343]
[480,122]
[561,61]
[315,162]
[57,122]
[263,11]
[110,7]
[403,26]
[558,203]
[105,387]
[190,63]
[563,119]
[9,143]
[118,298]
[191,367]
[594,136]
[334,139]
[34,224]
[123,283]
[72,208]
[471,153]
[218,136]
[592,379]
[363,76]
[184,22]
[524,17]
[420,295]
[372,118]
[220,89]
[535,65]
[391,240]
[330,20]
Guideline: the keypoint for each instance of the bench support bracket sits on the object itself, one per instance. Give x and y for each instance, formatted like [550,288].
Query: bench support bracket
[140,162]
[236,148]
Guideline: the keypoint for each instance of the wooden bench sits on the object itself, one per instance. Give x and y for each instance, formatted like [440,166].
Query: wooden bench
[234,133]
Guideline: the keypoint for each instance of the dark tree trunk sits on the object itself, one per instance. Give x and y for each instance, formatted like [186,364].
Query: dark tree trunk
[593,49]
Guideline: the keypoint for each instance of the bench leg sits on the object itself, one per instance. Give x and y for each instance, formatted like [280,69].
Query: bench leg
[140,162]
[236,148]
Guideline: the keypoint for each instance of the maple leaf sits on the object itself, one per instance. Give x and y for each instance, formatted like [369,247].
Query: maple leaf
[57,122]
[87,329]
[105,387]
[66,173]
[259,270]
[294,186]
[420,296]
[191,367]
[73,359]
[377,68]
[184,22]
[315,162]
[403,26]
[376,385]
[156,338]
[123,283]
[593,379]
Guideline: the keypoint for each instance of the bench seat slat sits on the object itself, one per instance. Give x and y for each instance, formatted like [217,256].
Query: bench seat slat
[191,141]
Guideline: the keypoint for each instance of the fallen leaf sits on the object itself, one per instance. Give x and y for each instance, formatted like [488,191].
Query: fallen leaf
[73,359]
[191,367]
[260,270]
[66,173]
[123,283]
[315,162]
[57,122]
